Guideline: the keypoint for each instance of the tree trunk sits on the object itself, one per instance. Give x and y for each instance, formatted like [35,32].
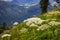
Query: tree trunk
[44,5]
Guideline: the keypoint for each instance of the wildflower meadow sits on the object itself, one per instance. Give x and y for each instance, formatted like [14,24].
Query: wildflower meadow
[41,27]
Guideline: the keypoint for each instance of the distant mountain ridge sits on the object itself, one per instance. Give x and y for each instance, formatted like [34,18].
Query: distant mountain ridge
[10,13]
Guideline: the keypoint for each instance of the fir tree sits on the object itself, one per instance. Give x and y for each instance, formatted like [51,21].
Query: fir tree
[44,5]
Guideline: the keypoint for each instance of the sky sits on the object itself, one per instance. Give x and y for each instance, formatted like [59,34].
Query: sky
[7,0]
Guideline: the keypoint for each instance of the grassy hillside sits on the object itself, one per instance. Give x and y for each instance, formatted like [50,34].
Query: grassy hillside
[43,27]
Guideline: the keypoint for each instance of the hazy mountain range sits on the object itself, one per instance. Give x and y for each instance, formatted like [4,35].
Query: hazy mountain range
[10,13]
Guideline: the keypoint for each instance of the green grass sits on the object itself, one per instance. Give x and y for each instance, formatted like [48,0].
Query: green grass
[24,32]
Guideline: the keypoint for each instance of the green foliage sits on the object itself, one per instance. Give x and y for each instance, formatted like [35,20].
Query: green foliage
[24,32]
[1,30]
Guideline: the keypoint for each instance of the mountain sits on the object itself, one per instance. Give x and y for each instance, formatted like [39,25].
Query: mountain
[10,13]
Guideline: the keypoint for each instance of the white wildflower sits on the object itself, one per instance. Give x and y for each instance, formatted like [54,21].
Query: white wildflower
[52,23]
[43,27]
[51,19]
[41,21]
[24,30]
[58,12]
[56,31]
[34,20]
[47,19]
[28,23]
[5,35]
[25,21]
[33,25]
[38,29]
[15,23]
[55,12]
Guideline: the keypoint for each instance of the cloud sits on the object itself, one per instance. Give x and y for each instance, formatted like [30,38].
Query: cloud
[34,4]
[27,4]
[7,0]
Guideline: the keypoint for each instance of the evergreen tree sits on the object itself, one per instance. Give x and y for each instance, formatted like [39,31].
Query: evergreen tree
[44,5]
[4,25]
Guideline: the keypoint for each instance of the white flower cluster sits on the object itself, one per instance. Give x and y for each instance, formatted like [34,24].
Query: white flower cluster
[15,23]
[33,25]
[5,35]
[23,30]
[51,19]
[52,23]
[55,12]
[43,27]
[37,22]
[34,21]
